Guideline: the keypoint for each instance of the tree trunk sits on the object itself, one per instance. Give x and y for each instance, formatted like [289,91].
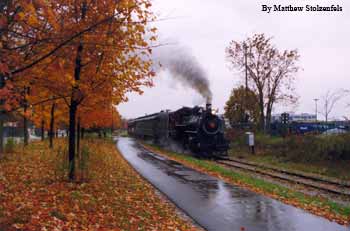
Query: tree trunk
[262,116]
[82,133]
[25,126]
[268,121]
[52,122]
[112,127]
[2,115]
[75,102]
[3,34]
[71,138]
[78,136]
[42,130]
[268,116]
[1,134]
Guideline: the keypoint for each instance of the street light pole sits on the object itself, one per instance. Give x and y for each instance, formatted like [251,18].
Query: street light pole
[316,107]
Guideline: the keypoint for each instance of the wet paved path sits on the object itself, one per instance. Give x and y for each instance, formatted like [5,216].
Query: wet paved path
[214,204]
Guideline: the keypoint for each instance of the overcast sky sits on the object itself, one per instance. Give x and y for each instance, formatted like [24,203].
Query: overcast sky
[205,28]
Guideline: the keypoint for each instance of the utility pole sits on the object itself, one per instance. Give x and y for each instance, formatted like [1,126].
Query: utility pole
[316,107]
[246,81]
[246,68]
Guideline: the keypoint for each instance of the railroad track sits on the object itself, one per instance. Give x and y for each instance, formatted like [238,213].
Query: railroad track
[311,180]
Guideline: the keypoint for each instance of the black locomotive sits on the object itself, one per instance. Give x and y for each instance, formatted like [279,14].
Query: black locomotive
[196,129]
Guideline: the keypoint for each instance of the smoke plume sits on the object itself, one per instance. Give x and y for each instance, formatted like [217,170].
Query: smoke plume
[184,67]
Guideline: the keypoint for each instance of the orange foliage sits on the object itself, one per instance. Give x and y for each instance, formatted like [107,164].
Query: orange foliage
[76,53]
[39,45]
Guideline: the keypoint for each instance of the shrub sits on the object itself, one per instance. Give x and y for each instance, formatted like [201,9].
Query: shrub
[124,133]
[84,158]
[267,142]
[306,148]
[62,163]
[10,145]
[315,148]
[238,138]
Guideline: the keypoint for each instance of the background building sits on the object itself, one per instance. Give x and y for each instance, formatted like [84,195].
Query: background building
[303,117]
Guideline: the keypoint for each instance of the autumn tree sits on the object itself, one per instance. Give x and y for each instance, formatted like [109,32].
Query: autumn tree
[103,63]
[103,117]
[79,50]
[242,106]
[96,114]
[48,116]
[21,33]
[270,72]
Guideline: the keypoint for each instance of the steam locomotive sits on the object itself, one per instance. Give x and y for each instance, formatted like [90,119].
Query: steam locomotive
[196,129]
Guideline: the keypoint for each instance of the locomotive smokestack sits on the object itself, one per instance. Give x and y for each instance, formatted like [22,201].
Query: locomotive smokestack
[208,107]
[185,68]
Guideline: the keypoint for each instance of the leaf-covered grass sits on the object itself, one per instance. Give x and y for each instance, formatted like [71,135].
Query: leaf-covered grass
[314,204]
[34,196]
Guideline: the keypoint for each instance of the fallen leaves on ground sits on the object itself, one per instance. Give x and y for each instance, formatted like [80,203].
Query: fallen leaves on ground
[34,197]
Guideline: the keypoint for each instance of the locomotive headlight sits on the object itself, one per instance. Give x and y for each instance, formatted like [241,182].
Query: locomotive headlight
[212,125]
[214,111]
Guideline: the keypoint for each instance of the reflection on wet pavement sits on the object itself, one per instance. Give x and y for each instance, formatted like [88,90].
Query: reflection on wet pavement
[214,204]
